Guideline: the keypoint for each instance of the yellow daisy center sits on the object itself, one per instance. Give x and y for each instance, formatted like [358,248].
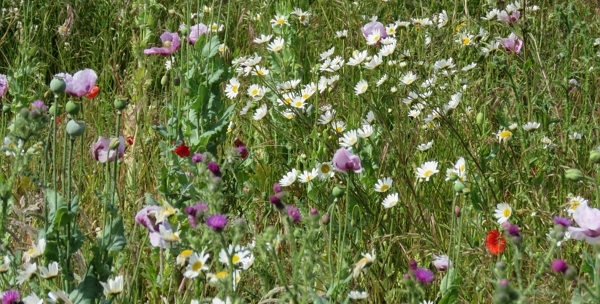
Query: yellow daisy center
[506,212]
[574,205]
[376,37]
[234,88]
[277,48]
[428,173]
[302,18]
[261,72]
[298,104]
[384,187]
[186,253]
[221,274]
[280,21]
[339,128]
[466,40]
[305,95]
[505,134]
[235,259]
[325,169]
[254,92]
[196,266]
[214,27]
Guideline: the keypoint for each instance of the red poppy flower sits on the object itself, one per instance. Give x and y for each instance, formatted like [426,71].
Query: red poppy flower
[95,90]
[129,140]
[182,150]
[495,242]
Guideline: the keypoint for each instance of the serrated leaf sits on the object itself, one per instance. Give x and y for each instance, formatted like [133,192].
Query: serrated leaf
[450,297]
[211,48]
[215,76]
[87,290]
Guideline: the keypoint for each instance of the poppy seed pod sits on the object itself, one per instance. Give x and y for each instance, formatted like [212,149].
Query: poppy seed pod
[58,86]
[75,128]
[72,108]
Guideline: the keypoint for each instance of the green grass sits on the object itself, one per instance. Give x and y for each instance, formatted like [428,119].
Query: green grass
[314,261]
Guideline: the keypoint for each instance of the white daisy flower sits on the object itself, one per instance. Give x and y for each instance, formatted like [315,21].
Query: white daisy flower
[504,135]
[384,184]
[361,87]
[26,272]
[232,88]
[49,272]
[374,37]
[409,78]
[263,39]
[531,126]
[357,58]
[373,63]
[289,178]
[575,136]
[469,67]
[382,80]
[426,146]
[256,92]
[365,132]
[444,64]
[260,112]
[279,20]
[503,212]
[369,118]
[276,45]
[325,170]
[36,251]
[387,50]
[349,139]
[363,263]
[339,126]
[358,295]
[307,176]
[442,19]
[491,14]
[196,264]
[260,71]
[426,170]
[341,34]
[288,114]
[326,117]
[574,202]
[326,54]
[113,286]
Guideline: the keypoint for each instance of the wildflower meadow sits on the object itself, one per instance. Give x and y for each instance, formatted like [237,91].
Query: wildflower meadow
[305,151]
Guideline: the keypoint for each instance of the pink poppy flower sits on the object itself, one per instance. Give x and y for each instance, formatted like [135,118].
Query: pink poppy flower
[512,43]
[343,160]
[79,84]
[588,220]
[170,45]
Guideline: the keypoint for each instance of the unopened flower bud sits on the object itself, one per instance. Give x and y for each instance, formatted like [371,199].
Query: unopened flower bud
[57,86]
[479,118]
[72,108]
[325,219]
[458,186]
[574,175]
[114,143]
[457,211]
[75,128]
[176,81]
[54,110]
[595,156]
[163,80]
[120,103]
[337,192]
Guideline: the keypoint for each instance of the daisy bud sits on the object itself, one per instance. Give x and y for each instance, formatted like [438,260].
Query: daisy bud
[574,175]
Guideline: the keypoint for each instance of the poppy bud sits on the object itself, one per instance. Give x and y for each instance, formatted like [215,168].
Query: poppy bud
[72,108]
[163,80]
[176,81]
[57,86]
[458,186]
[337,192]
[54,110]
[479,118]
[595,156]
[574,175]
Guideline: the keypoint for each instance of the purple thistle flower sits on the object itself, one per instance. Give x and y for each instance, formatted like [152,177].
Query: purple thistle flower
[424,275]
[512,43]
[197,158]
[170,45]
[10,297]
[194,212]
[81,83]
[562,221]
[3,85]
[294,214]
[102,152]
[412,265]
[314,212]
[216,222]
[40,105]
[277,188]
[504,17]
[513,230]
[559,266]
[344,160]
[214,168]
[276,201]
[195,32]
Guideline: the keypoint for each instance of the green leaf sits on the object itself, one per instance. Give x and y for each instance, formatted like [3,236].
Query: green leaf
[450,297]
[215,76]
[447,281]
[211,48]
[162,131]
[87,291]
[114,235]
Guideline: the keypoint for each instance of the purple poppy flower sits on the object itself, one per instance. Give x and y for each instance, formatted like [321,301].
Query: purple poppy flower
[294,214]
[170,45]
[195,32]
[504,17]
[373,26]
[424,275]
[10,297]
[80,84]
[3,85]
[143,218]
[343,160]
[559,266]
[588,220]
[194,212]
[102,152]
[512,43]
[562,221]
[216,222]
